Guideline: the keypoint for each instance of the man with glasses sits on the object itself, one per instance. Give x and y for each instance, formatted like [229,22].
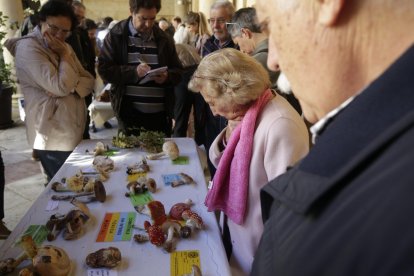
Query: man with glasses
[132,48]
[209,126]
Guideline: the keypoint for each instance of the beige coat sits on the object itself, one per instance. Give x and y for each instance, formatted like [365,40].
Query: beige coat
[54,120]
[280,140]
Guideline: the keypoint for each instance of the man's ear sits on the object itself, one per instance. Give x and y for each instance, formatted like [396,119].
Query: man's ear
[329,11]
[246,33]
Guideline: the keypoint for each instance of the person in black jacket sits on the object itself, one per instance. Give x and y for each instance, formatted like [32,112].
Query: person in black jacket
[133,47]
[346,208]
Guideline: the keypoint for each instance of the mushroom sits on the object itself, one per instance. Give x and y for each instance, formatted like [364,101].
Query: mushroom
[59,187]
[195,271]
[155,210]
[98,194]
[47,259]
[193,220]
[169,148]
[170,228]
[139,238]
[74,222]
[140,167]
[185,232]
[140,186]
[103,164]
[155,233]
[151,185]
[54,225]
[106,257]
[100,149]
[178,208]
[184,179]
[51,260]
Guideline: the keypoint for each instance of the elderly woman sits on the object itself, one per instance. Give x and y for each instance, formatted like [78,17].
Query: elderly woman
[54,84]
[264,136]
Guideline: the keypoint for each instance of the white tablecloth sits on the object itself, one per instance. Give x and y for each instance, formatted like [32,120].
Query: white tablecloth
[137,259]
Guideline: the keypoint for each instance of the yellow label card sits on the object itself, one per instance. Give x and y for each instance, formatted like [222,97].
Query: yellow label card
[183,261]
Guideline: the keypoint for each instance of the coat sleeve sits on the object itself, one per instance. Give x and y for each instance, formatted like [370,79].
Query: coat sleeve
[57,77]
[111,67]
[215,153]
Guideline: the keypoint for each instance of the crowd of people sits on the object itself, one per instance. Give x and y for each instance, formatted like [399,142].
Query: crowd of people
[316,182]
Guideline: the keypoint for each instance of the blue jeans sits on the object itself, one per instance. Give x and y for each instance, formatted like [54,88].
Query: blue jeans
[52,160]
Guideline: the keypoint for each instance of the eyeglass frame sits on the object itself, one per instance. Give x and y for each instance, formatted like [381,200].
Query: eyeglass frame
[55,29]
[220,20]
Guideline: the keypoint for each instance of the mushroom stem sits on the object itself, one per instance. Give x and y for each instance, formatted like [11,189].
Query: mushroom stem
[155,156]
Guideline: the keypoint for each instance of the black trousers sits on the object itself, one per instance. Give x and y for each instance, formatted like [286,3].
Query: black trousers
[2,184]
[52,160]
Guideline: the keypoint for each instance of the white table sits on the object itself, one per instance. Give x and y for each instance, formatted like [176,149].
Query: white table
[137,259]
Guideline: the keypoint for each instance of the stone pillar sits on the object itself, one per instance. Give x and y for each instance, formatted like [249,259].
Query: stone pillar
[14,10]
[181,8]
[204,6]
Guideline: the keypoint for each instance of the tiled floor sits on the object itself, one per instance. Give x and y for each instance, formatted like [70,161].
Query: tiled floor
[24,179]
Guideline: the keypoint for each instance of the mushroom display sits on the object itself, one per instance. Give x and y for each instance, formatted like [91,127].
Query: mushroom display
[169,149]
[47,260]
[106,257]
[100,149]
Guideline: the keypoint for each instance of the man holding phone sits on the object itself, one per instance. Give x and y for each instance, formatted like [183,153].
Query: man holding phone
[131,49]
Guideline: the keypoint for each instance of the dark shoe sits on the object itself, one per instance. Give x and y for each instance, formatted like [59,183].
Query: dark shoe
[94,128]
[4,231]
[107,125]
[35,157]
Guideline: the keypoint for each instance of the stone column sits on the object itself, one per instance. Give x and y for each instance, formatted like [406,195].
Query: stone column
[181,8]
[14,10]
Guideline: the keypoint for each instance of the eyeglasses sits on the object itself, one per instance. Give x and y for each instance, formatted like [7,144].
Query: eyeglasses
[219,21]
[54,30]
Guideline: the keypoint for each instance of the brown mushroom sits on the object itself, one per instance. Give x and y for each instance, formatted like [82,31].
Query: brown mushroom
[106,257]
[51,260]
[169,148]
[98,194]
[184,180]
[151,185]
[140,167]
[139,238]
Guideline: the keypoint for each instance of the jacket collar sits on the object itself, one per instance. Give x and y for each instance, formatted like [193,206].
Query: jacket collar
[381,112]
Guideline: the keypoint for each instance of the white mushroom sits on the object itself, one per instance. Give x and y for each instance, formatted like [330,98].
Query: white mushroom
[170,228]
[169,148]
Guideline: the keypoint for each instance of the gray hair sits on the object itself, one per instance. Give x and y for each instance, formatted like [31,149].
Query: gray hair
[244,18]
[224,4]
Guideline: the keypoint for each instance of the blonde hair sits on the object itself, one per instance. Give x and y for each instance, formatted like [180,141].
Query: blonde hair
[200,19]
[231,76]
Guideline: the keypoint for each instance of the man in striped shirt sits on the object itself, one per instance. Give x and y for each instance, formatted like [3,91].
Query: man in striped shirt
[132,48]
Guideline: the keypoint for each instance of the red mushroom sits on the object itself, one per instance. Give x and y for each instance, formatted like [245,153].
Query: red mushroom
[178,208]
[192,219]
[155,233]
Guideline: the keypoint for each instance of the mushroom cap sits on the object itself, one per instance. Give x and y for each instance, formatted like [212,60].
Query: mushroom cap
[155,234]
[151,185]
[177,210]
[51,260]
[100,192]
[157,212]
[171,149]
[194,218]
[106,257]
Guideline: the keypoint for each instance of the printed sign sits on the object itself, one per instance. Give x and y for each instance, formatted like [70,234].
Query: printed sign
[116,227]
[182,262]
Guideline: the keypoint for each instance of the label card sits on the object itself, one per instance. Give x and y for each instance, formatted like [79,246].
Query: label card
[116,227]
[183,261]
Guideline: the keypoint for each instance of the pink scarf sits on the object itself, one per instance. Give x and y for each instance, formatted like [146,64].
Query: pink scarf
[231,181]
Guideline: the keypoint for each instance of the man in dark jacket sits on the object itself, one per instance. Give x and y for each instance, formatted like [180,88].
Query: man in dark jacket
[133,47]
[346,208]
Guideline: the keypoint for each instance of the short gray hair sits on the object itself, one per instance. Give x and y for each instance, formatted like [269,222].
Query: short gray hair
[244,18]
[224,4]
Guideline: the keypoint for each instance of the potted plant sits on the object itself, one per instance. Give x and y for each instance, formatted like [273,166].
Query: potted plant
[7,82]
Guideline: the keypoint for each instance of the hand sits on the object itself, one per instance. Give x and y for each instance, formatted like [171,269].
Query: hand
[56,45]
[142,69]
[160,78]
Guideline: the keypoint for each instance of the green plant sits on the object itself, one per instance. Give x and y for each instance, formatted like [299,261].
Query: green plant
[6,73]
